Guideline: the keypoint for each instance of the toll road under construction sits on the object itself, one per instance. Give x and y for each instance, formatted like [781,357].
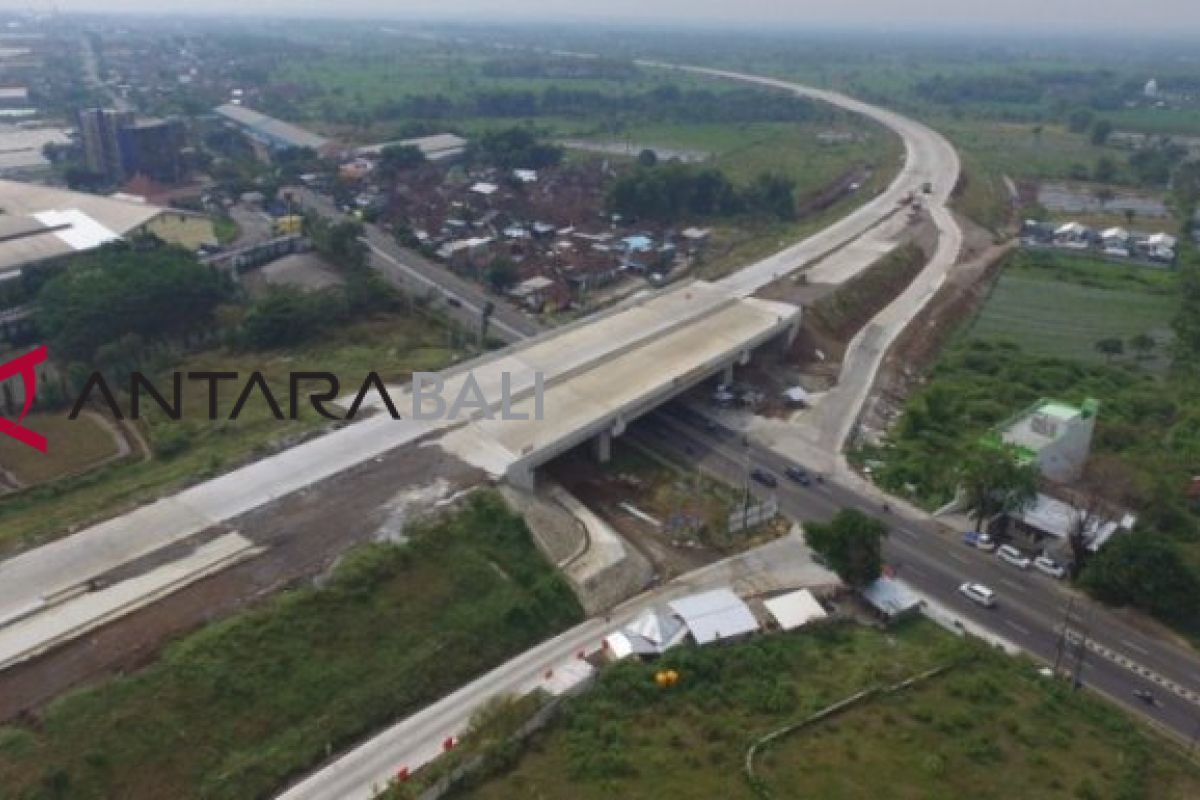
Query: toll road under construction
[640,358]
[591,377]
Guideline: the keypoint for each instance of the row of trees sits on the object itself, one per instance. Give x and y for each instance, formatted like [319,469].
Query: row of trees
[667,103]
[674,191]
[515,147]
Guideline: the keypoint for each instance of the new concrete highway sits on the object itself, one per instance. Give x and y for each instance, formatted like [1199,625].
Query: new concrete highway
[1121,657]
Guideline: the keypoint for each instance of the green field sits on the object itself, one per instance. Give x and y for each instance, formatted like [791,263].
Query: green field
[235,710]
[991,727]
[195,448]
[91,442]
[1049,317]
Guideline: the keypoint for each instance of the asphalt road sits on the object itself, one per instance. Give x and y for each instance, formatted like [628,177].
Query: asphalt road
[1030,609]
[460,299]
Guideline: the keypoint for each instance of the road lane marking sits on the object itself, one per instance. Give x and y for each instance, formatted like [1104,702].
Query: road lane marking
[1019,628]
[908,533]
[1012,584]
[1133,646]
[957,558]
[1140,670]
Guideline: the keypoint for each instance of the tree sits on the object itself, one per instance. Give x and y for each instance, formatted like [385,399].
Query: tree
[1094,503]
[993,482]
[1103,195]
[1110,347]
[1143,344]
[647,158]
[851,544]
[1130,215]
[286,315]
[1079,120]
[158,294]
[1106,170]
[501,274]
[396,158]
[1101,130]
[1147,572]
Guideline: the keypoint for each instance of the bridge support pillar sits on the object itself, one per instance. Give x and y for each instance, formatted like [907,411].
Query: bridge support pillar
[603,447]
[522,477]
[727,374]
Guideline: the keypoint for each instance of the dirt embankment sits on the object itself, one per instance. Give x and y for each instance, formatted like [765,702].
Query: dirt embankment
[834,314]
[918,347]
[303,533]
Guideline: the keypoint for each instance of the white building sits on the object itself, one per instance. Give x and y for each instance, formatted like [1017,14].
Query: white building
[1056,436]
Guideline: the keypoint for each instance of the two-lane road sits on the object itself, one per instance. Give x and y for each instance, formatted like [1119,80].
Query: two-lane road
[1031,607]
[460,299]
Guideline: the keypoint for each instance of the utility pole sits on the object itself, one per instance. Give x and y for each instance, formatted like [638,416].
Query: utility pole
[1081,649]
[1060,648]
[485,315]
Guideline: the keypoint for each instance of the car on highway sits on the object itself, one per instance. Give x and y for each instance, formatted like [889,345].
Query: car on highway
[1048,566]
[453,301]
[760,475]
[978,593]
[1011,555]
[798,474]
[979,540]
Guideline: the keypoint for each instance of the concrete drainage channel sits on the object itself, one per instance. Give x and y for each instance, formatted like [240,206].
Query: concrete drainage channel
[1074,638]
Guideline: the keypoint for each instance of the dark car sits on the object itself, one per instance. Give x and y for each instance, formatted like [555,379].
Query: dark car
[453,301]
[765,478]
[798,475]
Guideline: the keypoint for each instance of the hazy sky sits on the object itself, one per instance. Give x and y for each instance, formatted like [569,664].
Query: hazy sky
[1169,17]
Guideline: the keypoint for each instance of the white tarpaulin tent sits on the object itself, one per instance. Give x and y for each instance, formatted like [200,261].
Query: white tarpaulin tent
[714,615]
[794,609]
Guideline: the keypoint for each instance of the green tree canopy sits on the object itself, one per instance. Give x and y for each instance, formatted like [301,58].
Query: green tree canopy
[993,481]
[851,543]
[157,294]
[1144,571]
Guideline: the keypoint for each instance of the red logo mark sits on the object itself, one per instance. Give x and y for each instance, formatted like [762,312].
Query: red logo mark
[23,366]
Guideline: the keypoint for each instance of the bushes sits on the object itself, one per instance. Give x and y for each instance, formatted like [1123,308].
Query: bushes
[670,192]
[157,294]
[287,315]
[1145,571]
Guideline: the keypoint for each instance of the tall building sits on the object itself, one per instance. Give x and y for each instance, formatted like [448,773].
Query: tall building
[152,148]
[98,128]
[118,146]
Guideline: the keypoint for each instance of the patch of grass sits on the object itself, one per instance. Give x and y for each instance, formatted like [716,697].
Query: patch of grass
[979,729]
[77,446]
[233,711]
[195,448]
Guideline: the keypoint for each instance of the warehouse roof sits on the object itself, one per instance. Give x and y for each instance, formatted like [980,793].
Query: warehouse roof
[275,129]
[714,615]
[43,222]
[435,148]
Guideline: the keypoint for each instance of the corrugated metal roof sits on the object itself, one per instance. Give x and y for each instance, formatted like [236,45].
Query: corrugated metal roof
[76,221]
[714,615]
[277,129]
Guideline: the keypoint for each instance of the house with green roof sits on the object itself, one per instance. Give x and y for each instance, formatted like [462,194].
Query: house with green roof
[1057,436]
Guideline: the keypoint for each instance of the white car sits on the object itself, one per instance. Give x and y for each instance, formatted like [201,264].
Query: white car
[1012,555]
[1049,566]
[978,593]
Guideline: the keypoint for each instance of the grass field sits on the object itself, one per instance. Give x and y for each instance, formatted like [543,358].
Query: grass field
[234,710]
[1065,306]
[989,728]
[195,448]
[90,442]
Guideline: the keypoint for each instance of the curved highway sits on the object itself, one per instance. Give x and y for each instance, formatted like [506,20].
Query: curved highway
[928,158]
